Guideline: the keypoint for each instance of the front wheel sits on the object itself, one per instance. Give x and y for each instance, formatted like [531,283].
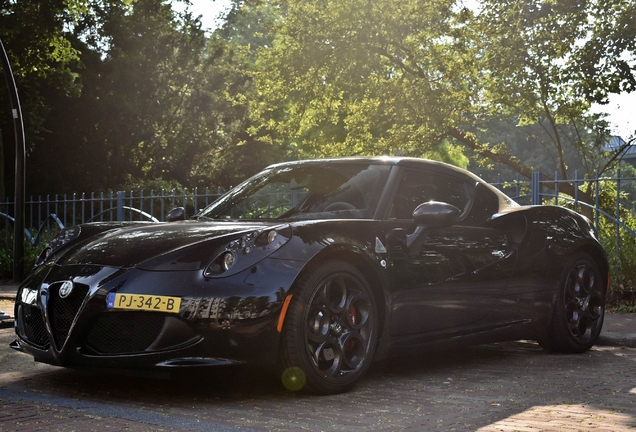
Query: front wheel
[330,330]
[579,309]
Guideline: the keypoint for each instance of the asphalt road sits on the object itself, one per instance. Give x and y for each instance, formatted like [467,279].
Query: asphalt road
[509,386]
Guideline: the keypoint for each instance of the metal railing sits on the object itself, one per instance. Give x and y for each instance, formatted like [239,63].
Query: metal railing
[610,202]
[45,215]
[592,196]
[537,191]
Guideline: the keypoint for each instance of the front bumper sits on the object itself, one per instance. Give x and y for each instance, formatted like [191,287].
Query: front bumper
[221,321]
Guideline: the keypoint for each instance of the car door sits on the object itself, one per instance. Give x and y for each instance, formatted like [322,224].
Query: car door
[460,272]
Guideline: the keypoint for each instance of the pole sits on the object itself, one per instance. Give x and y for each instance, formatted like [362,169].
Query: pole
[18,126]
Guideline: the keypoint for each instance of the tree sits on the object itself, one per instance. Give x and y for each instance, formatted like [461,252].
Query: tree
[159,100]
[369,77]
[540,60]
[234,48]
[42,57]
[147,105]
[364,77]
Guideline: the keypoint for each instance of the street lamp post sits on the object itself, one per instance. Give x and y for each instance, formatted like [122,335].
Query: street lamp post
[18,126]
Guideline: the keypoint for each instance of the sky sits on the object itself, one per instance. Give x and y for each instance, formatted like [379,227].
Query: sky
[621,108]
[210,10]
[622,114]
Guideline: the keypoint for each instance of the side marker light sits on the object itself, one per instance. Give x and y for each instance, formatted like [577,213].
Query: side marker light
[283,312]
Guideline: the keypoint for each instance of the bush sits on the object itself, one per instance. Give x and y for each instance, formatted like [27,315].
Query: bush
[6,256]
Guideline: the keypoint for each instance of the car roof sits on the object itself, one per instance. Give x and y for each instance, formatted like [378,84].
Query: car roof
[410,162]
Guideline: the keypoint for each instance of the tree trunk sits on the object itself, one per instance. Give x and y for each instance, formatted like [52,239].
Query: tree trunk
[2,187]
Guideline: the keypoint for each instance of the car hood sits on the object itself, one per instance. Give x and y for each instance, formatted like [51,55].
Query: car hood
[184,245]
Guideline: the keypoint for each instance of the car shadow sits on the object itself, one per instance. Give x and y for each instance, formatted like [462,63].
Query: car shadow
[466,388]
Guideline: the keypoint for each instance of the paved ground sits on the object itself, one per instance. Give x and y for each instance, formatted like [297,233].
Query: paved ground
[498,387]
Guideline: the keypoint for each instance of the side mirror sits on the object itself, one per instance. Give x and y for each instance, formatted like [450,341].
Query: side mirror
[432,214]
[176,214]
[435,214]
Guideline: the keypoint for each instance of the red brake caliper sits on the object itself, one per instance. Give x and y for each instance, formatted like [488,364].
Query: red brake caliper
[353,315]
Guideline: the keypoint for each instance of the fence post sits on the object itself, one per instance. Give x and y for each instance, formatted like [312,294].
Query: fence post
[163,197]
[536,188]
[618,226]
[131,205]
[196,200]
[120,205]
[576,190]
[597,202]
[152,202]
[74,221]
[141,204]
[64,209]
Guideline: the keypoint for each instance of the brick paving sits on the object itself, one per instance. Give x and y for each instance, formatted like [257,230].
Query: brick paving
[513,386]
[565,418]
[499,387]
[29,416]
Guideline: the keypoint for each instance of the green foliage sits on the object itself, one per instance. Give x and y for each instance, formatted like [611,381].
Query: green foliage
[152,97]
[363,77]
[151,185]
[536,68]
[384,77]
[618,242]
[583,147]
[41,56]
[624,308]
[143,110]
[605,62]
[6,256]
[126,89]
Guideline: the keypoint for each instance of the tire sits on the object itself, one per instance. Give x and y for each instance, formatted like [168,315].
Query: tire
[579,309]
[330,330]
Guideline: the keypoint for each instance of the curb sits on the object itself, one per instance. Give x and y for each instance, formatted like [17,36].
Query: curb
[616,339]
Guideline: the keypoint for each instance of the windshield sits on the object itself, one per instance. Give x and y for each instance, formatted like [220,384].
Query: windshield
[309,191]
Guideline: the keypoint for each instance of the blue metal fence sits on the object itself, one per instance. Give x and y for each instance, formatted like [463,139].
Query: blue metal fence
[537,191]
[46,215]
[610,202]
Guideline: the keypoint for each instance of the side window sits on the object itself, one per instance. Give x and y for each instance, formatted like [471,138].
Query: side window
[417,187]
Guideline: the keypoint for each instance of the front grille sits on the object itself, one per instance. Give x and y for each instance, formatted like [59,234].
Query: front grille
[31,326]
[62,311]
[124,332]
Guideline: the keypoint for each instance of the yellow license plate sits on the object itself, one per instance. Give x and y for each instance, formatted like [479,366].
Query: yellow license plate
[144,302]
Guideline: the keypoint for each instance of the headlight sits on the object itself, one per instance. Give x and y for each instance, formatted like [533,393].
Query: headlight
[227,260]
[247,250]
[271,236]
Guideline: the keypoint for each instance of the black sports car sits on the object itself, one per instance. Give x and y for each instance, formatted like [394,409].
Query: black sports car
[318,267]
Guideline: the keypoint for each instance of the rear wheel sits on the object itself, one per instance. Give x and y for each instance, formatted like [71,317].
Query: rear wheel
[330,330]
[580,307]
